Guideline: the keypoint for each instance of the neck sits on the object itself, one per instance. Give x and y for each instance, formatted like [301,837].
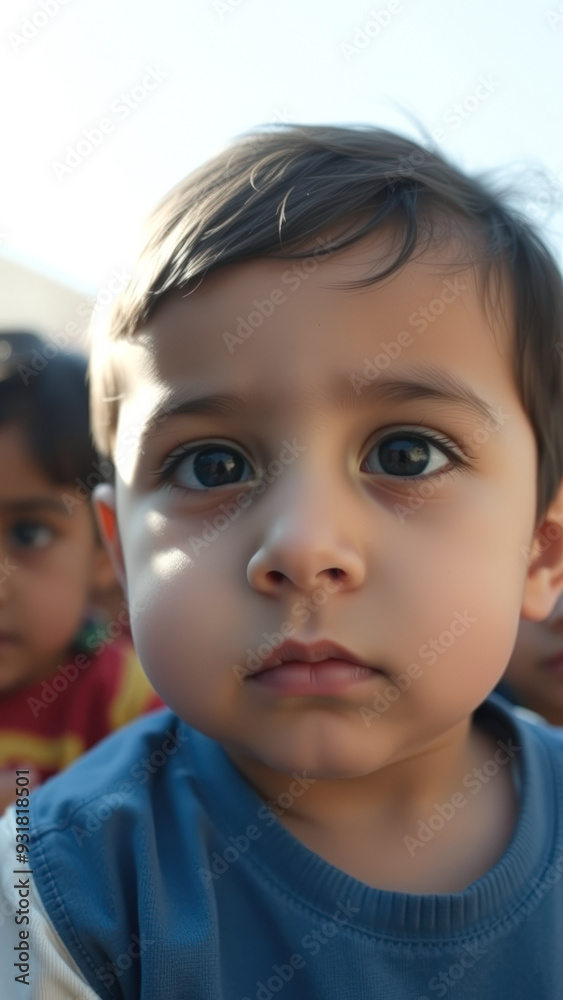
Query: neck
[399,790]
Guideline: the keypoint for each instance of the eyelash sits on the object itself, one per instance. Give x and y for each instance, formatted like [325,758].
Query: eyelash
[165,473]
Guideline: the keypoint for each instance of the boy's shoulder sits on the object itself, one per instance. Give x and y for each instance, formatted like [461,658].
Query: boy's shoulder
[128,765]
[156,822]
[533,739]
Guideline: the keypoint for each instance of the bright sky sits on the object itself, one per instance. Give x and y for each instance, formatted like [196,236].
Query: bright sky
[107,104]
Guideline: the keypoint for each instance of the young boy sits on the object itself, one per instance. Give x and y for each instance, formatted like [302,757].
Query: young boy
[67,676]
[534,676]
[332,395]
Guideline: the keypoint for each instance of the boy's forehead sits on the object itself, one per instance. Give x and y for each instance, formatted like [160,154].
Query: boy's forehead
[309,313]
[291,332]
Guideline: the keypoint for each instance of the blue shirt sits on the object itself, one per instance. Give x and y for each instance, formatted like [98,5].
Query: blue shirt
[166,876]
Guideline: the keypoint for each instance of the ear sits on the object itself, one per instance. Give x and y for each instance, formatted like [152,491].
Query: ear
[544,581]
[103,573]
[103,501]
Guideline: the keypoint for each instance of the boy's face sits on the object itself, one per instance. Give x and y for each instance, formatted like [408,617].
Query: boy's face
[390,508]
[49,560]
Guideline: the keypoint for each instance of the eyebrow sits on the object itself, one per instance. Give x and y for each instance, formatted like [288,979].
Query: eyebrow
[30,506]
[433,384]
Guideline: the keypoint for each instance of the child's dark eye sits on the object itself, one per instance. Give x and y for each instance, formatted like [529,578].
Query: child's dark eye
[404,453]
[30,535]
[205,467]
[409,454]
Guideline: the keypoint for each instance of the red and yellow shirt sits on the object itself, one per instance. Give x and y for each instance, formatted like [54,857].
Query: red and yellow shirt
[46,726]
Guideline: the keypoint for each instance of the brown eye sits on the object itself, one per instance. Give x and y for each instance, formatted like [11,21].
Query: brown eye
[207,467]
[402,454]
[217,466]
[30,535]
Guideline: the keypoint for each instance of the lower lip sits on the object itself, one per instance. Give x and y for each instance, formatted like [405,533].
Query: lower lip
[326,677]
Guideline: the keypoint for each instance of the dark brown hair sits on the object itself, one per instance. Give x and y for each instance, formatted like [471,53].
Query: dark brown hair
[273,193]
[44,392]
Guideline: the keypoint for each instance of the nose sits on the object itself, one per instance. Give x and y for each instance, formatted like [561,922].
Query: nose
[311,537]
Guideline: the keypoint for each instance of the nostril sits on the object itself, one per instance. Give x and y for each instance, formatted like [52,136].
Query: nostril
[336,573]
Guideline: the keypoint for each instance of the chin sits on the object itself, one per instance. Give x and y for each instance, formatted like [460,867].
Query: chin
[318,761]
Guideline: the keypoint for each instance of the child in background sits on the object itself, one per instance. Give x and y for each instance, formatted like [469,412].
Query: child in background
[333,399]
[68,677]
[534,676]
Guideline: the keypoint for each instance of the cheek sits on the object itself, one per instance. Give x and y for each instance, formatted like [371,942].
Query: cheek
[55,608]
[186,623]
[463,605]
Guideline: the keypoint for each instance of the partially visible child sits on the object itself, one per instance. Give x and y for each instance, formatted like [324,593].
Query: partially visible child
[534,676]
[68,677]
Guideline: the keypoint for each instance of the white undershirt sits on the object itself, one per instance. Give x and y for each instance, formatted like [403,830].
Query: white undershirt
[53,973]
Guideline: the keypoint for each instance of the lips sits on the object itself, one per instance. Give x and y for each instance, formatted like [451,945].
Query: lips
[323,668]
[317,652]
